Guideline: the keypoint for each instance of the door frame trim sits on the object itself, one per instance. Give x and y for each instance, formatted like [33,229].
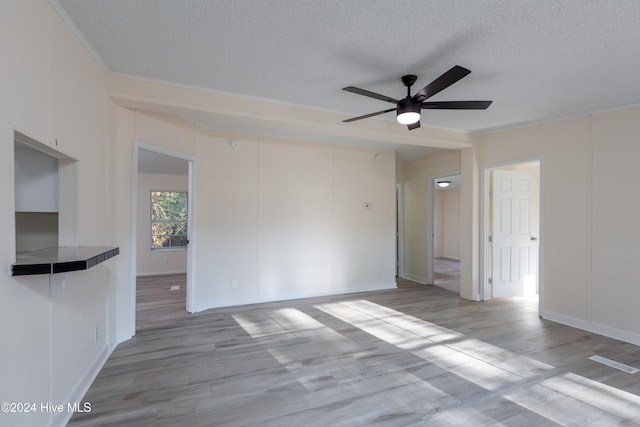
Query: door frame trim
[484,227]
[400,229]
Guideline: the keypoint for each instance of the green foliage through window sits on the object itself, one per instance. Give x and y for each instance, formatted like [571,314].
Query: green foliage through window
[168,219]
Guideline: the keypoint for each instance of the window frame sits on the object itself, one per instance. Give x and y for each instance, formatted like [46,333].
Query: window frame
[173,219]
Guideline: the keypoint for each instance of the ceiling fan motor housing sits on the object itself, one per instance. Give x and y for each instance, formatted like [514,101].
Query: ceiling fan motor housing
[408,105]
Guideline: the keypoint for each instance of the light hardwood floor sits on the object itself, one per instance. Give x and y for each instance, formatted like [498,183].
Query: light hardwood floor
[416,356]
[446,274]
[157,304]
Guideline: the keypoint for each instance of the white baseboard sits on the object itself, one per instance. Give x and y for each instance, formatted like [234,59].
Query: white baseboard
[596,328]
[229,302]
[421,280]
[81,387]
[452,258]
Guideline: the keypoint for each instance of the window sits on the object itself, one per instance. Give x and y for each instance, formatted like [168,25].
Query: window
[168,219]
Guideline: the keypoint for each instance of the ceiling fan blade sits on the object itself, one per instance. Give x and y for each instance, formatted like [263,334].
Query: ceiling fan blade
[456,105]
[413,126]
[368,115]
[442,82]
[370,94]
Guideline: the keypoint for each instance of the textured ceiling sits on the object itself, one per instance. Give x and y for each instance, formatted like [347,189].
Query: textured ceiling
[537,60]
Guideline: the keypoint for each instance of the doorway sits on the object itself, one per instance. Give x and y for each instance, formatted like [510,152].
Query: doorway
[511,230]
[444,262]
[162,230]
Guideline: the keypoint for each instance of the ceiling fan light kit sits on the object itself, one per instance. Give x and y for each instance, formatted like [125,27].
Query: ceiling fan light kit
[408,112]
[408,109]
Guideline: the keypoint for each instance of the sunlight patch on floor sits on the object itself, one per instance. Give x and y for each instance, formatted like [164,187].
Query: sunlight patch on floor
[294,338]
[497,356]
[618,402]
[293,335]
[573,399]
[423,339]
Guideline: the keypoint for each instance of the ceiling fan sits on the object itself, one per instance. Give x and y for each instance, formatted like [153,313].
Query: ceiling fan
[408,109]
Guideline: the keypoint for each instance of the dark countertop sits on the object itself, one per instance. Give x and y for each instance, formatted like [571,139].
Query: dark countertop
[61,260]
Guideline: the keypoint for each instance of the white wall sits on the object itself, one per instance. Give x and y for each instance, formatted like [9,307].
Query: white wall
[53,92]
[36,181]
[163,261]
[446,204]
[283,218]
[614,289]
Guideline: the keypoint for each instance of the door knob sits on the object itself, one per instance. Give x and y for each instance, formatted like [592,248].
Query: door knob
[534,238]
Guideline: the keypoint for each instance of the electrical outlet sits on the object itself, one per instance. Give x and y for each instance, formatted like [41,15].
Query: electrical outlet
[96,333]
[165,260]
[234,283]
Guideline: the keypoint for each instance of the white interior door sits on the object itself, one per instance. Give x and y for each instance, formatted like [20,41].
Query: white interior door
[514,250]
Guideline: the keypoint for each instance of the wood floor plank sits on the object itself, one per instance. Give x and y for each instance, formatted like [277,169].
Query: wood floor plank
[446,274]
[417,355]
